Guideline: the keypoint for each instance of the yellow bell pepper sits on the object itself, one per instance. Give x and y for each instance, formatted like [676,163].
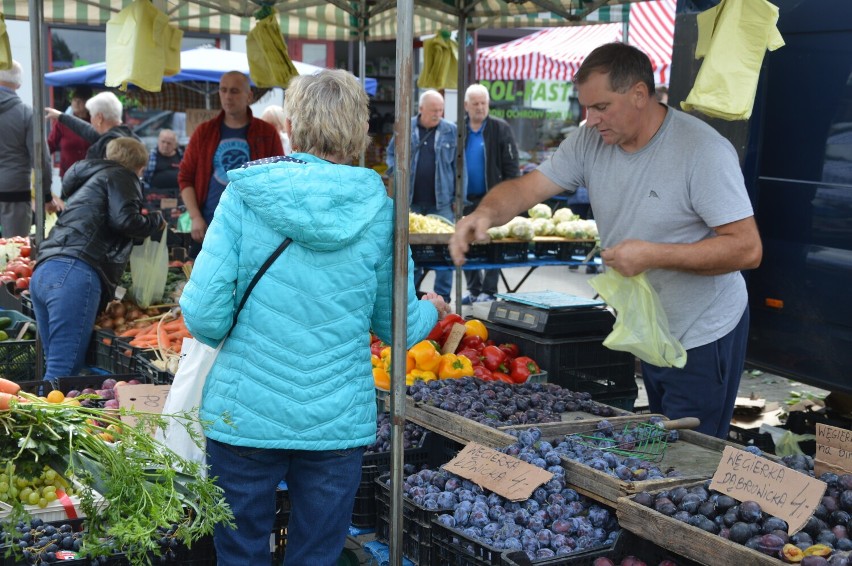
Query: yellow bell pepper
[381,378]
[475,327]
[426,354]
[420,374]
[375,361]
[386,360]
[453,367]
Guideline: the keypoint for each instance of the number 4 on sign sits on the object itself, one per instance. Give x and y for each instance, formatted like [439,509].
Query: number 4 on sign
[505,475]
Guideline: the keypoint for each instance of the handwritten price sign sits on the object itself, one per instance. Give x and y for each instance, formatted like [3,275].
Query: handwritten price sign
[504,475]
[143,398]
[833,450]
[780,491]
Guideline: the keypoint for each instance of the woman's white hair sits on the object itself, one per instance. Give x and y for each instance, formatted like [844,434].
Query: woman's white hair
[12,75]
[107,105]
[328,113]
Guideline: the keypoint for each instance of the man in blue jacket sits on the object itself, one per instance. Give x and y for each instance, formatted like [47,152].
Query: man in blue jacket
[490,157]
[433,170]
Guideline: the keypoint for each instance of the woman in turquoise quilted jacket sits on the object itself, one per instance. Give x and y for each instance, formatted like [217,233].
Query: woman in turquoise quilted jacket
[291,394]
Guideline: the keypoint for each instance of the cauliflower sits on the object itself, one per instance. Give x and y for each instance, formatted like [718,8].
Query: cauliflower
[589,229]
[540,211]
[521,228]
[543,226]
[564,215]
[499,232]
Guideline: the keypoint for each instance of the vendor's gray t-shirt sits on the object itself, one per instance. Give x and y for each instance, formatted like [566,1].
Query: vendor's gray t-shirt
[676,189]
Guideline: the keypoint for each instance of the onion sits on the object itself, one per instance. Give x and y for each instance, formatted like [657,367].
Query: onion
[118,310]
[106,323]
[133,314]
[118,321]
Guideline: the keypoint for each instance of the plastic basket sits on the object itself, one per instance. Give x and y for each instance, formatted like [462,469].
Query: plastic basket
[508,252]
[364,513]
[124,356]
[155,375]
[100,354]
[431,253]
[57,510]
[577,363]
[453,548]
[564,250]
[752,437]
[27,305]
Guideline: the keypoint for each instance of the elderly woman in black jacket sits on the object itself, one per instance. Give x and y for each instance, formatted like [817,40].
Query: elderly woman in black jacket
[80,263]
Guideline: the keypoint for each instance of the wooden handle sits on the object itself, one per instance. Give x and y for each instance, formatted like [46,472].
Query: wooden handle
[678,424]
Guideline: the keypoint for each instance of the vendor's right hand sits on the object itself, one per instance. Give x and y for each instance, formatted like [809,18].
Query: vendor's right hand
[199,229]
[469,229]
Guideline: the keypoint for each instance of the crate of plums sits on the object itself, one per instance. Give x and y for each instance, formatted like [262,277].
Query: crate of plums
[609,458]
[712,528]
[629,550]
[419,450]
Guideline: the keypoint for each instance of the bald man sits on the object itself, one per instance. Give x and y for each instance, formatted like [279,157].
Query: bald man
[219,145]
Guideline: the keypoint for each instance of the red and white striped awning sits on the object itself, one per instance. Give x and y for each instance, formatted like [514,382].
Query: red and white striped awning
[556,53]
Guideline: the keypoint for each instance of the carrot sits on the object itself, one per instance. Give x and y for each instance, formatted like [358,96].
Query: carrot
[176,324]
[179,335]
[6,400]
[130,332]
[9,387]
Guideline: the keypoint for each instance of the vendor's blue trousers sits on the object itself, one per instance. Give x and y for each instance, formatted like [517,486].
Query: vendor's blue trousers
[66,294]
[321,485]
[707,385]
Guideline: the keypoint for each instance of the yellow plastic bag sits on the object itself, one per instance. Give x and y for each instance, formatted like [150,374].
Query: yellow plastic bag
[641,326]
[149,268]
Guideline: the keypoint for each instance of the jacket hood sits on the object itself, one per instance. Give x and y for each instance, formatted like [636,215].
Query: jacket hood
[8,100]
[321,205]
[82,171]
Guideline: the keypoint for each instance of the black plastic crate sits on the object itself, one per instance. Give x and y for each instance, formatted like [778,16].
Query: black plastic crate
[76,524]
[17,360]
[429,453]
[100,354]
[78,382]
[752,437]
[27,305]
[431,253]
[124,355]
[451,547]
[577,363]
[627,544]
[278,541]
[201,553]
[563,250]
[155,375]
[508,252]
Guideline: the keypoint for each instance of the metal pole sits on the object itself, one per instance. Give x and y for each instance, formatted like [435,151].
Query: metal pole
[362,56]
[39,137]
[460,144]
[402,137]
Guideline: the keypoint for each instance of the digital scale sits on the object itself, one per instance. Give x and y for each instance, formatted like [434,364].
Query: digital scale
[552,313]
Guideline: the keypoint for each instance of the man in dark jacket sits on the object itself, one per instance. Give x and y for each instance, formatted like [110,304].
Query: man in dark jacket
[79,265]
[490,156]
[105,110]
[17,158]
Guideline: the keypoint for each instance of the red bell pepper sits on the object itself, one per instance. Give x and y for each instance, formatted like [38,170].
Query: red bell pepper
[500,376]
[512,350]
[447,326]
[494,358]
[521,368]
[483,373]
[436,332]
[472,342]
[376,347]
[472,355]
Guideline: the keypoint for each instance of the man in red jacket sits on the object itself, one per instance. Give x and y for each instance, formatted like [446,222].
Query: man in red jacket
[219,145]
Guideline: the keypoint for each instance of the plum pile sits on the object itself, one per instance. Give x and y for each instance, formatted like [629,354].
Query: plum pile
[555,521]
[38,542]
[532,449]
[412,436]
[105,396]
[494,403]
[824,540]
[629,561]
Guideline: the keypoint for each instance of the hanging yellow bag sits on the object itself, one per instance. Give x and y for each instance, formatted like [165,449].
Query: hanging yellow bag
[641,326]
[149,269]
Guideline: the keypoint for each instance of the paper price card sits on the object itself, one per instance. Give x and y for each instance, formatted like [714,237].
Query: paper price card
[504,475]
[780,491]
[833,450]
[142,398]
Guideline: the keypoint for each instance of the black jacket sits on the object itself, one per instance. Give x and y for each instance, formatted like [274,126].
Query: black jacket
[101,219]
[501,152]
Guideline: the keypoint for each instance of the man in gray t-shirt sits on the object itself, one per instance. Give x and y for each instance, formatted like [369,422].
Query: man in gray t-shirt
[670,201]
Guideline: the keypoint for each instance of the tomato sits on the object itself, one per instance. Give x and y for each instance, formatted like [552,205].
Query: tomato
[22,283]
[9,273]
[6,279]
[25,251]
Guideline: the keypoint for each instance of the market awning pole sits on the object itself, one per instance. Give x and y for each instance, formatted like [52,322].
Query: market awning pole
[362,54]
[402,168]
[460,145]
[39,149]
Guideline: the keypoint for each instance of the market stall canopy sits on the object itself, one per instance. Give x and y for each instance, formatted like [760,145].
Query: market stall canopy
[338,19]
[556,54]
[202,64]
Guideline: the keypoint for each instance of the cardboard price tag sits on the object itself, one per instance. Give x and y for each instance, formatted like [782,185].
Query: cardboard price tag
[505,475]
[454,338]
[833,450]
[780,491]
[143,398]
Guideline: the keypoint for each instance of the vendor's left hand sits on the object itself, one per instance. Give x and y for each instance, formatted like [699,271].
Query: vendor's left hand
[629,257]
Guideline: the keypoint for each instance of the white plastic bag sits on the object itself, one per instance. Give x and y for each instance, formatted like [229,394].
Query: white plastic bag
[186,436]
[149,269]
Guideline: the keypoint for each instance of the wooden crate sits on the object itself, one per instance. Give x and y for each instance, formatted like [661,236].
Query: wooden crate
[686,540]
[696,456]
[455,427]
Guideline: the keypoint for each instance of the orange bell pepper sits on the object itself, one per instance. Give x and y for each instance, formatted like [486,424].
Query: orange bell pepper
[475,327]
[385,357]
[381,378]
[427,357]
[454,367]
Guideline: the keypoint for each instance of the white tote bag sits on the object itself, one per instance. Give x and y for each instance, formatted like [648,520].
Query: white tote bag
[184,397]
